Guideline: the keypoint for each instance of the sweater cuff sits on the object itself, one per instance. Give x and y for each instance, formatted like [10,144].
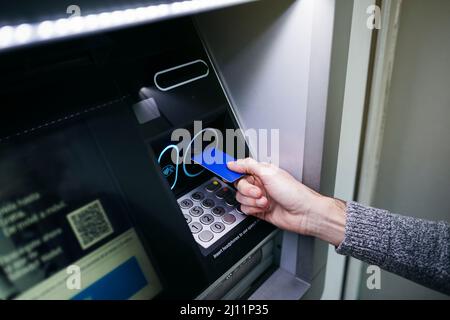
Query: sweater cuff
[366,233]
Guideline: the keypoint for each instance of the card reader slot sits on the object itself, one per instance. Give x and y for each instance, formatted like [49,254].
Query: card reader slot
[180,75]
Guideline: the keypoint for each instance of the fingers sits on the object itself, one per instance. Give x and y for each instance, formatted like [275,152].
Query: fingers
[250,179]
[247,187]
[251,210]
[245,166]
[260,203]
[253,180]
[251,192]
[260,170]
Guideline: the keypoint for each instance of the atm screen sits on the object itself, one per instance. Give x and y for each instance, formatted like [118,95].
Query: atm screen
[65,232]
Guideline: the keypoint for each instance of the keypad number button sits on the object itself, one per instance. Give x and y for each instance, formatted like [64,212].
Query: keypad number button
[196,211]
[222,192]
[239,210]
[197,196]
[213,186]
[217,227]
[195,227]
[186,204]
[208,203]
[188,218]
[218,211]
[207,219]
[229,218]
[206,236]
[230,199]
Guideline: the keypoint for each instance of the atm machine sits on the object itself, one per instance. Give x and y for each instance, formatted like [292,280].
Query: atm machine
[96,199]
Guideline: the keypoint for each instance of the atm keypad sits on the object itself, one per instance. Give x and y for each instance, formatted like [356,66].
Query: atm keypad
[211,211]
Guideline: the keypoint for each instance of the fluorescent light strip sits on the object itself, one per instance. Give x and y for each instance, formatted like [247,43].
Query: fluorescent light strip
[15,36]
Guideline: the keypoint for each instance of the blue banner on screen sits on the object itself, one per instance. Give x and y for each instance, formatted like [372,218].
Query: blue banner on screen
[120,284]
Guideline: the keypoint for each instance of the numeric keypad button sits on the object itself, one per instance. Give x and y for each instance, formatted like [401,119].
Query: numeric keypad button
[217,227]
[195,227]
[229,218]
[208,203]
[196,211]
[186,203]
[206,236]
[218,211]
[222,192]
[213,186]
[207,219]
[197,196]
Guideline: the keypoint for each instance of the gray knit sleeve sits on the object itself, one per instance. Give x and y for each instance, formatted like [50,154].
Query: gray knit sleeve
[413,248]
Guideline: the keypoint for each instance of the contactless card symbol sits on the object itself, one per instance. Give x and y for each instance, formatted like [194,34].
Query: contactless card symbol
[168,170]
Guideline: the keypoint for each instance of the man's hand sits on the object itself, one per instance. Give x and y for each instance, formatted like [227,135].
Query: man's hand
[272,194]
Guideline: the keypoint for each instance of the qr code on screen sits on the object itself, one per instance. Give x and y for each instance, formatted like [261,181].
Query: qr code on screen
[90,224]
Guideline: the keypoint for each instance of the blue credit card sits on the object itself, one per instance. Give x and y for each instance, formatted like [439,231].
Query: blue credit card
[216,160]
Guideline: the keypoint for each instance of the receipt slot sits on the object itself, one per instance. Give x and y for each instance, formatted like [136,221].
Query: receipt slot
[96,185]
